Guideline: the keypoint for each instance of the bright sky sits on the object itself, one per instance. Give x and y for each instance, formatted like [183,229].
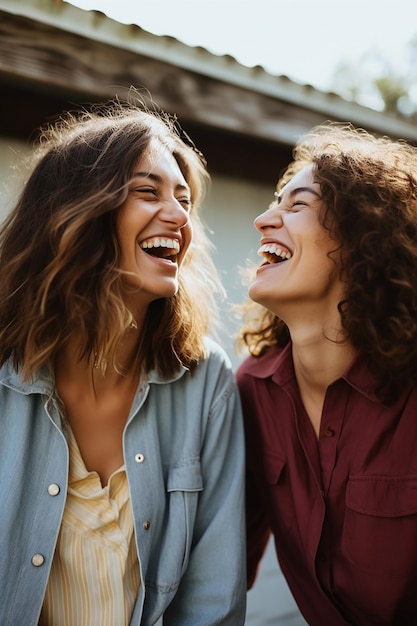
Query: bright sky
[302,39]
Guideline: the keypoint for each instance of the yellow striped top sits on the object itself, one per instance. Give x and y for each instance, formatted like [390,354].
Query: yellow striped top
[94,578]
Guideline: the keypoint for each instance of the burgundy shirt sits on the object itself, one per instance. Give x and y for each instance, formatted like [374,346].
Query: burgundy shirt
[343,507]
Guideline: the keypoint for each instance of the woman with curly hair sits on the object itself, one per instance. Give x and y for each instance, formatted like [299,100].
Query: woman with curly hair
[330,387]
[121,447]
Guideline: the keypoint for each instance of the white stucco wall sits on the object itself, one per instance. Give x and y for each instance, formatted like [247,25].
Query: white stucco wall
[229,211]
[11,153]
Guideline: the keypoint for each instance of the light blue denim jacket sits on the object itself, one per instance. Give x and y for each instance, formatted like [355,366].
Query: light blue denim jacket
[184,456]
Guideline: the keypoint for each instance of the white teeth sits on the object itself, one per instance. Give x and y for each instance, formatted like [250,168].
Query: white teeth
[274,248]
[159,242]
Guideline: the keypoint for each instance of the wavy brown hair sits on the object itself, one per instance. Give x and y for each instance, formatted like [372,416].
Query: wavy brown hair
[59,255]
[369,192]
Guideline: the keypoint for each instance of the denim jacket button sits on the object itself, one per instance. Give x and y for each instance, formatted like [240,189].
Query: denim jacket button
[146,525]
[53,489]
[139,458]
[38,560]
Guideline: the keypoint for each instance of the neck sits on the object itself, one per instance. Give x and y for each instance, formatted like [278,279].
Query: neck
[321,351]
[320,357]
[97,404]
[89,378]
[318,363]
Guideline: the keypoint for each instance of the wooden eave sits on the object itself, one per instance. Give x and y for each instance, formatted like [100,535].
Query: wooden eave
[56,56]
[62,62]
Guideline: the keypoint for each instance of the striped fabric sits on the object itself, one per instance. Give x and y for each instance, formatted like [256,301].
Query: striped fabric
[94,578]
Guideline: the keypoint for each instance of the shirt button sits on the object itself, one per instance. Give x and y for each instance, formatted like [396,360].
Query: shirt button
[139,458]
[329,432]
[53,489]
[38,560]
[146,525]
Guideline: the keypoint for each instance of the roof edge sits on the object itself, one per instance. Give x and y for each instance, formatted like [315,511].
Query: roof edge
[96,25]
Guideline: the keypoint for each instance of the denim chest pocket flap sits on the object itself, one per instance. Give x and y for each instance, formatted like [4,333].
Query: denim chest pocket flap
[186,477]
[383,496]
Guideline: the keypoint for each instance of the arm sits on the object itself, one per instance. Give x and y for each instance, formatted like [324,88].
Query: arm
[213,588]
[257,525]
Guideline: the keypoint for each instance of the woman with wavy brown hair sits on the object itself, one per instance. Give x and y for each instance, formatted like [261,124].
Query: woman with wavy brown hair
[329,390]
[121,447]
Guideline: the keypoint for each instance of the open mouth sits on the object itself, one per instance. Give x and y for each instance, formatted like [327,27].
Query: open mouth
[273,253]
[161,247]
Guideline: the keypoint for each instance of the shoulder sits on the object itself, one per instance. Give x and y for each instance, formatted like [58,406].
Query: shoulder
[11,379]
[214,370]
[215,354]
[213,376]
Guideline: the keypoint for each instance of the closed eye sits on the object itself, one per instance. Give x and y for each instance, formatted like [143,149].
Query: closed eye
[289,200]
[292,208]
[296,205]
[277,203]
[185,201]
[145,190]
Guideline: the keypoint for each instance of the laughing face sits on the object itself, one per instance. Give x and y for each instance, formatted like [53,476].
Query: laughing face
[153,227]
[296,269]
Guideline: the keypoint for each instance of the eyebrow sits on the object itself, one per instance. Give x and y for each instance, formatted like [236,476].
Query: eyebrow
[158,179]
[293,192]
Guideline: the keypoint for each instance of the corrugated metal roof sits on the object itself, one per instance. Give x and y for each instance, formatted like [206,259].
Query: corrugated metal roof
[97,26]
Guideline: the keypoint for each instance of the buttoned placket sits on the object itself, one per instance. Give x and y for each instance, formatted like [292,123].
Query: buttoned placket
[330,430]
[38,559]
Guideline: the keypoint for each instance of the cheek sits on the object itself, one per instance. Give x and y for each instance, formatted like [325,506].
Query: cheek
[122,225]
[326,244]
[187,234]
[124,242]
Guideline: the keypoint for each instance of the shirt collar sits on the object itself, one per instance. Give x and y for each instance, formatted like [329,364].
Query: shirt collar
[277,364]
[43,380]
[155,377]
[358,376]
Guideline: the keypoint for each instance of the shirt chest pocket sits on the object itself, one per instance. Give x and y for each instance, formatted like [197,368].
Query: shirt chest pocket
[279,493]
[274,466]
[380,528]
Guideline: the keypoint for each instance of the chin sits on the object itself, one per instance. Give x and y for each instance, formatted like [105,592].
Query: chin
[255,293]
[169,291]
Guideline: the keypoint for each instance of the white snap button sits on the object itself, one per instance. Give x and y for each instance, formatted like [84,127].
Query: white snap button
[139,458]
[53,489]
[38,560]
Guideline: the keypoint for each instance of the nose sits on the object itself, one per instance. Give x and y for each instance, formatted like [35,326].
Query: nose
[271,218]
[175,213]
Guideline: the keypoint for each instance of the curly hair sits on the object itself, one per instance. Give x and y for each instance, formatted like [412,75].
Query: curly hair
[59,255]
[369,192]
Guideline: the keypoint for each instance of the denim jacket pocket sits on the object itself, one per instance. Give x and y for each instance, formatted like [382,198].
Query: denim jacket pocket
[185,477]
[184,483]
[380,529]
